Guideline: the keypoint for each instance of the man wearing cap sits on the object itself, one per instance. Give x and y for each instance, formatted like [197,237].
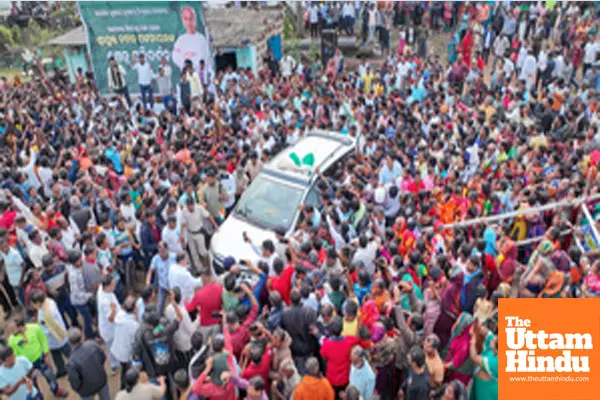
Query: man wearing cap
[192,223]
[214,196]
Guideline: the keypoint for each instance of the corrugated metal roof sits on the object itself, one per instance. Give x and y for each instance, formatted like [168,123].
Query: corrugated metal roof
[76,37]
[240,27]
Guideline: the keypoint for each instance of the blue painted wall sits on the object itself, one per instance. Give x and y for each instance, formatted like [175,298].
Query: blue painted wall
[75,58]
[246,58]
[275,45]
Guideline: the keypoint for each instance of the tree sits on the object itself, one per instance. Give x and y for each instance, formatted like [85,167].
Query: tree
[16,34]
[6,38]
[296,13]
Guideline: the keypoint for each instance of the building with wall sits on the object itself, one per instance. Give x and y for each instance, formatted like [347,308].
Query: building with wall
[73,46]
[239,37]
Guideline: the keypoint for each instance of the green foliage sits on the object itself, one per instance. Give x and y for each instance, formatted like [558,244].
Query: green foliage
[59,22]
[292,48]
[16,34]
[289,30]
[35,35]
[313,50]
[6,38]
[66,17]
[31,36]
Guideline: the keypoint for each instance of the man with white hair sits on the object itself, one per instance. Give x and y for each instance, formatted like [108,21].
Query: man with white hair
[192,45]
[362,376]
[289,378]
[313,385]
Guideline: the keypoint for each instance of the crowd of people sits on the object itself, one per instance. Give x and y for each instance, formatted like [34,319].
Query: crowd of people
[389,288]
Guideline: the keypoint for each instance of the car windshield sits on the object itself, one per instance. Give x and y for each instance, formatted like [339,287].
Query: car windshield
[269,203]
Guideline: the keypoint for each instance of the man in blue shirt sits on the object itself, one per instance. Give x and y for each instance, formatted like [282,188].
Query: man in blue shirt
[113,155]
[160,265]
[14,376]
[390,170]
[362,376]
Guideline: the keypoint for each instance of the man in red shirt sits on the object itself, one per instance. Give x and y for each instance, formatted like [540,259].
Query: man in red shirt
[416,185]
[7,221]
[204,386]
[336,350]
[282,283]
[7,216]
[49,220]
[237,331]
[208,301]
[260,364]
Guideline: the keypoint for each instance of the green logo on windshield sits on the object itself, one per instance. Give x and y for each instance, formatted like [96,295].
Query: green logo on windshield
[306,161]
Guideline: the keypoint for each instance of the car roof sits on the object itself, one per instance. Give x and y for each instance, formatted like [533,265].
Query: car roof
[326,147]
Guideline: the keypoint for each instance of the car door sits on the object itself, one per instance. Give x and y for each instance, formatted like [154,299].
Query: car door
[313,198]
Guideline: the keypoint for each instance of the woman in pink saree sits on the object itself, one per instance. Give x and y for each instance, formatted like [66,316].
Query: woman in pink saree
[458,364]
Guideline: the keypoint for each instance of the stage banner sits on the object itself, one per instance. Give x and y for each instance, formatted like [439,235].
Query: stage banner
[173,30]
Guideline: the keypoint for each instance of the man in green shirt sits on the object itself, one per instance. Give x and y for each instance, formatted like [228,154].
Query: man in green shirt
[29,341]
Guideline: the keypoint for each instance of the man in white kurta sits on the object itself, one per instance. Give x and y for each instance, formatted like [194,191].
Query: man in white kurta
[528,70]
[180,276]
[192,45]
[108,307]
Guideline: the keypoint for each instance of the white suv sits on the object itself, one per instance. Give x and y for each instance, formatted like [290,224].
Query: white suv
[271,201]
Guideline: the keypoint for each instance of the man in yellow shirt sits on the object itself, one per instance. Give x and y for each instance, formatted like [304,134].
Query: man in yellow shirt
[29,340]
[488,109]
[367,79]
[538,140]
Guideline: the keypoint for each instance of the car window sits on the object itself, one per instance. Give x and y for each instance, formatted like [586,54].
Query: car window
[312,198]
[336,167]
[269,203]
